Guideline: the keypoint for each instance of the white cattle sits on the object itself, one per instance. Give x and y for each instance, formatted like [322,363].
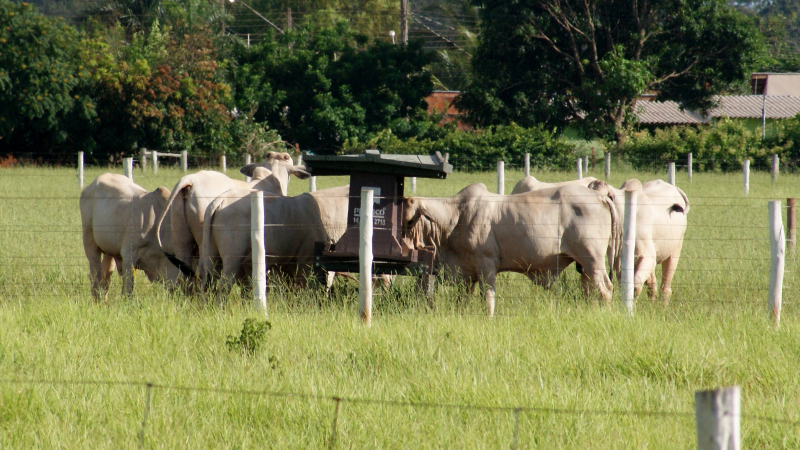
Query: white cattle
[193,193]
[477,234]
[671,206]
[292,226]
[530,183]
[118,218]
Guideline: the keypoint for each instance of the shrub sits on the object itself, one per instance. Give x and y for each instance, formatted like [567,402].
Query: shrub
[252,336]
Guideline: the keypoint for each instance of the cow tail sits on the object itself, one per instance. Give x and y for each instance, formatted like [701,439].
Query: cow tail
[183,183]
[685,199]
[615,242]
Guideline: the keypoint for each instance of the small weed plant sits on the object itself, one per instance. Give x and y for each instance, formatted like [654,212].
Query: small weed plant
[251,338]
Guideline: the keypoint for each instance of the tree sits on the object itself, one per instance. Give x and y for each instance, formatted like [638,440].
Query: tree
[324,87]
[588,61]
[39,79]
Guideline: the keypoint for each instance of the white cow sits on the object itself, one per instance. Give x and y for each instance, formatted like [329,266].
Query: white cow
[671,206]
[193,193]
[530,183]
[478,234]
[292,226]
[118,219]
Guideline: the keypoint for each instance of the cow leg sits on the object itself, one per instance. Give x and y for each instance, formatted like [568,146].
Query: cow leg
[644,267]
[99,265]
[668,268]
[651,283]
[329,282]
[487,278]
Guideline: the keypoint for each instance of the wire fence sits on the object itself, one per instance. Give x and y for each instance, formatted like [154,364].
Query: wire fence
[513,412]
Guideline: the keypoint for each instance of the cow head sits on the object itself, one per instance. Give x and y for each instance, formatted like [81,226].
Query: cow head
[412,228]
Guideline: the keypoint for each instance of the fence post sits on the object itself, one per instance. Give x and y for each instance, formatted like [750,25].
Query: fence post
[80,169]
[127,167]
[143,158]
[592,159]
[689,166]
[312,184]
[777,253]
[580,168]
[628,253]
[746,172]
[413,185]
[608,165]
[365,256]
[155,162]
[671,173]
[718,418]
[248,159]
[501,177]
[259,251]
[185,160]
[527,164]
[791,224]
[223,163]
[775,168]
[586,164]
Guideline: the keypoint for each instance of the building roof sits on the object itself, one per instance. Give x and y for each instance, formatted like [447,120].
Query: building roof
[734,106]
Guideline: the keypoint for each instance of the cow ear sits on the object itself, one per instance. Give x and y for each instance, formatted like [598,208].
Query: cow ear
[249,169]
[300,172]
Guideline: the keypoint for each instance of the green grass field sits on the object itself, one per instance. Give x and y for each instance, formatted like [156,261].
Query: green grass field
[74,373]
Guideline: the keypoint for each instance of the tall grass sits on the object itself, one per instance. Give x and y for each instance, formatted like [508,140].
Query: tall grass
[589,376]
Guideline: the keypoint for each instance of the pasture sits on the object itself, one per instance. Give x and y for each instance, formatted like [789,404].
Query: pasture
[74,373]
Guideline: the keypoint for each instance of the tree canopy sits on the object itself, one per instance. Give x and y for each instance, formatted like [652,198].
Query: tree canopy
[588,61]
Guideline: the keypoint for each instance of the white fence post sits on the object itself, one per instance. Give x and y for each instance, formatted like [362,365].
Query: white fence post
[791,224]
[312,184]
[746,172]
[127,167]
[777,252]
[671,173]
[185,160]
[580,168]
[247,161]
[586,164]
[365,256]
[259,251]
[608,165]
[527,164]
[223,163]
[718,418]
[628,253]
[143,158]
[299,159]
[413,185]
[501,177]
[155,162]
[689,167]
[80,169]
[775,168]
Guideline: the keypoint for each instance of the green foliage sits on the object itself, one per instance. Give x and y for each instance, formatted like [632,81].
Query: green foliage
[556,63]
[251,338]
[481,149]
[324,87]
[40,77]
[722,147]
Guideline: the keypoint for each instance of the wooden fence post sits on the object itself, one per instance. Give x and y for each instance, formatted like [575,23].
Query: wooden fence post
[746,173]
[791,224]
[501,177]
[80,169]
[592,159]
[259,251]
[155,162]
[586,164]
[143,158]
[127,167]
[527,164]
[185,160]
[579,168]
[223,163]
[689,167]
[365,256]
[628,253]
[671,173]
[608,165]
[777,252]
[718,418]
[248,159]
[775,168]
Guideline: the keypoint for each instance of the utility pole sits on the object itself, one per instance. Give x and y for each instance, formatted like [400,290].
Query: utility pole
[403,21]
